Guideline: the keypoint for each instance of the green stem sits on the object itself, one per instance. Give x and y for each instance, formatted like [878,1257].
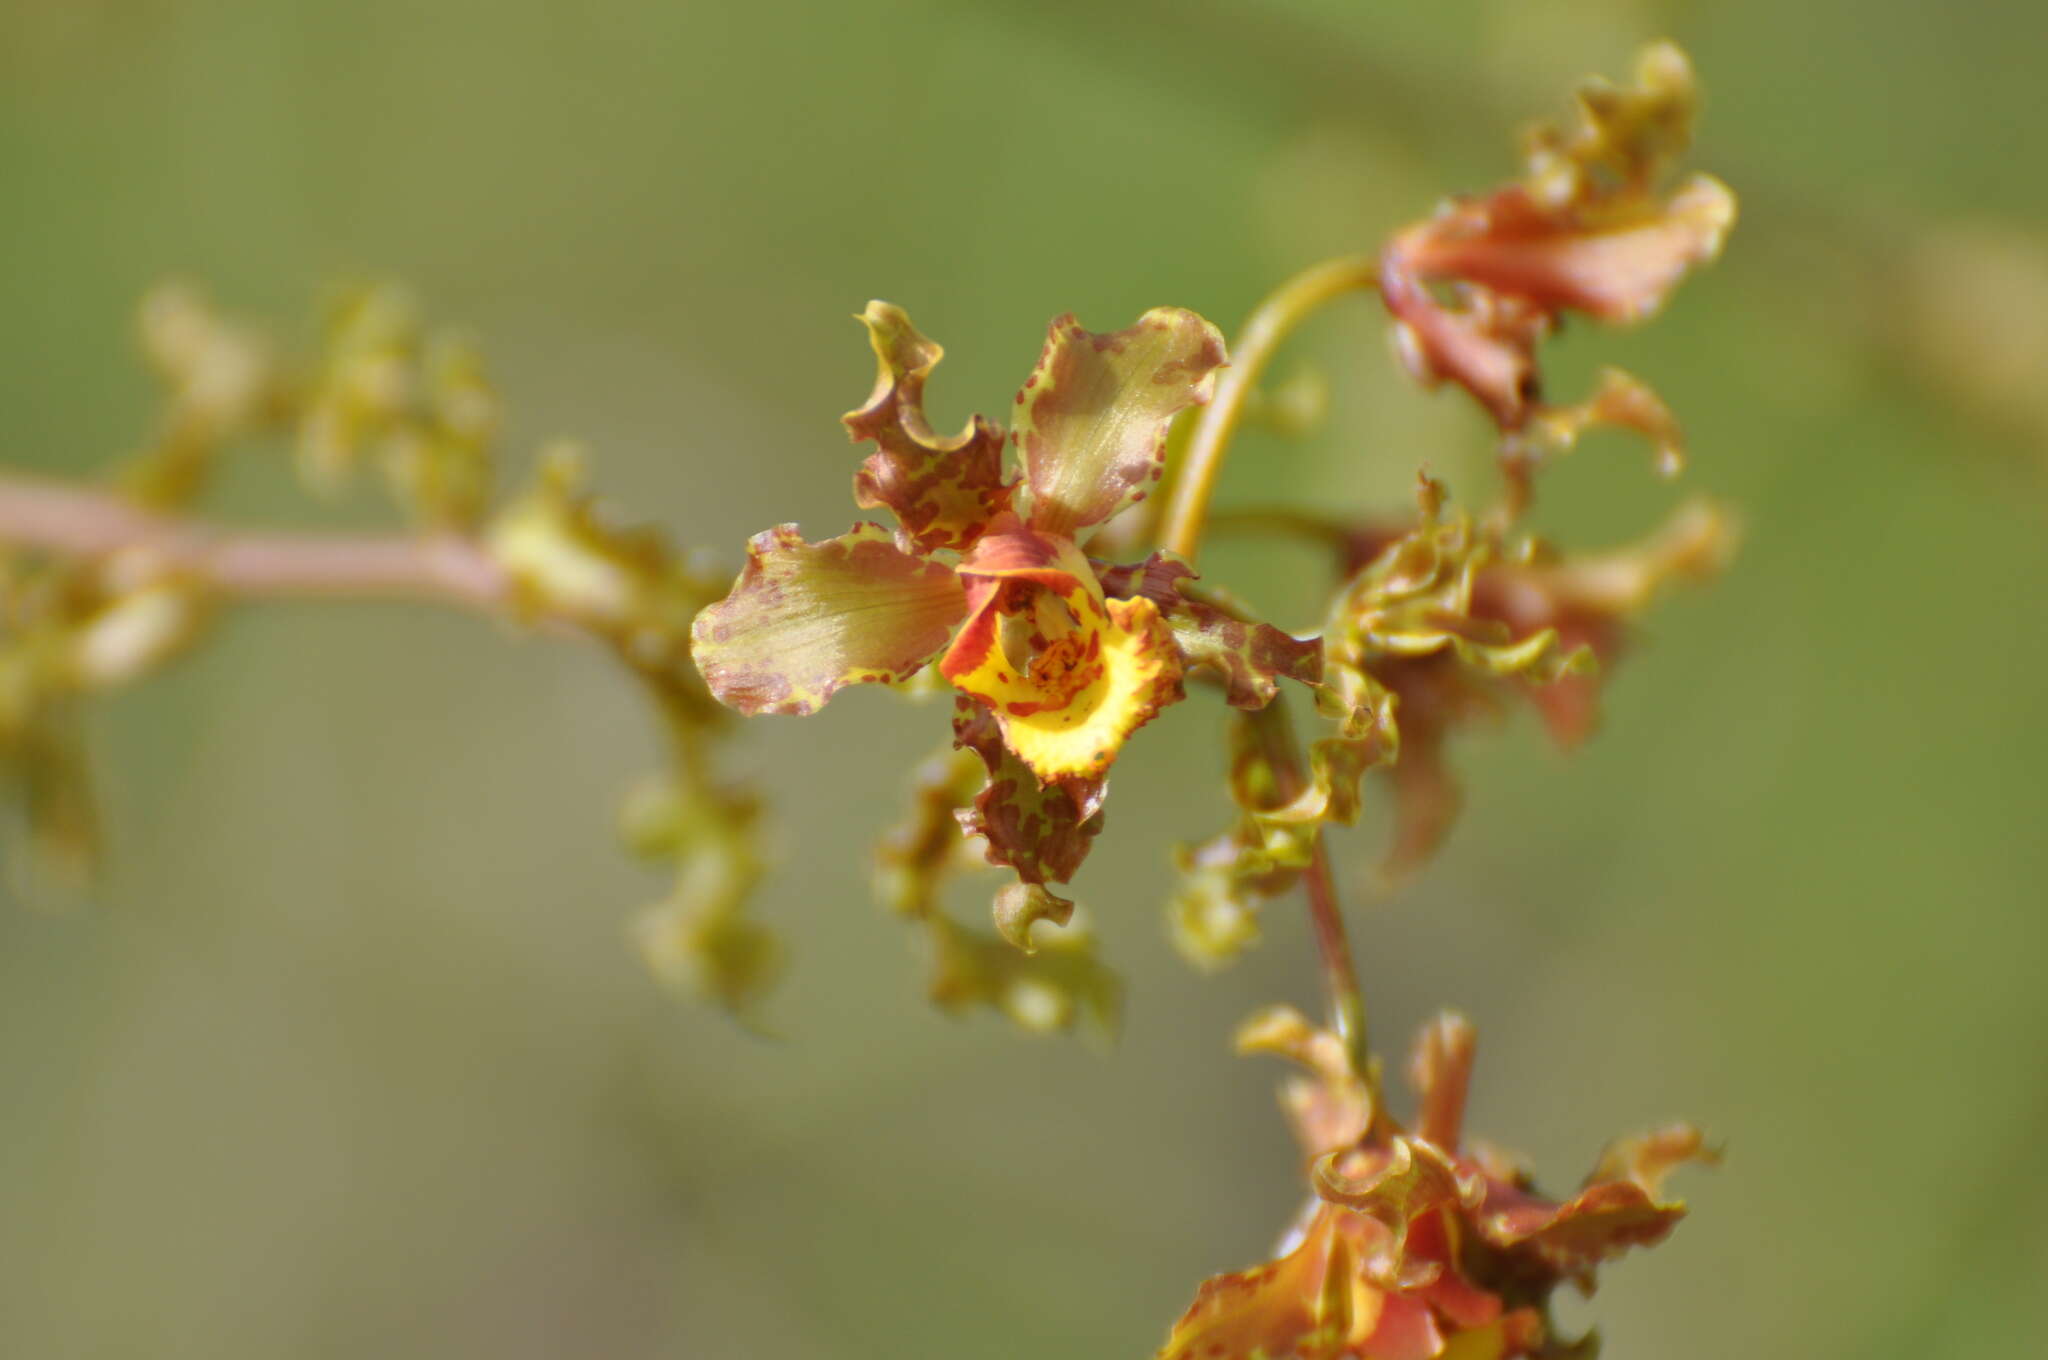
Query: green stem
[1272,322]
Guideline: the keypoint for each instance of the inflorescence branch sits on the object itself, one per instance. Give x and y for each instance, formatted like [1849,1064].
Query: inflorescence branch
[53,517]
[987,588]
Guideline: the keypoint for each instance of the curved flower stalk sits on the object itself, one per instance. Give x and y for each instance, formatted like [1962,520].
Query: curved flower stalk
[1475,288]
[1057,658]
[1417,1245]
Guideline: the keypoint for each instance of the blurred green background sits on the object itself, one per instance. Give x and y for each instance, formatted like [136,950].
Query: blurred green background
[351,1058]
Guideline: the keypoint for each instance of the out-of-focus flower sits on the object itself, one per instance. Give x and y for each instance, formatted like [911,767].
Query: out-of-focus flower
[418,401]
[222,379]
[68,630]
[570,565]
[1476,287]
[1058,658]
[1442,621]
[1417,1246]
[1514,619]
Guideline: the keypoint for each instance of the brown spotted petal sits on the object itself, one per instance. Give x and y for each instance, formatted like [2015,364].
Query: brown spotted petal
[1249,657]
[1157,578]
[943,489]
[1092,418]
[805,619]
[1042,831]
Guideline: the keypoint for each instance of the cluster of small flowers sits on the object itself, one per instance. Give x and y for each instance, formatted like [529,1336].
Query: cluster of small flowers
[97,590]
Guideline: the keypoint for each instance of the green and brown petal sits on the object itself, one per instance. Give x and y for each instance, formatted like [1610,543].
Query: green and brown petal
[943,489]
[806,619]
[1620,135]
[1041,830]
[1225,879]
[1249,657]
[1091,420]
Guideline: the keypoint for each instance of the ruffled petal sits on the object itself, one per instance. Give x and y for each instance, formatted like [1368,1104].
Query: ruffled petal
[1091,420]
[1041,830]
[1331,1107]
[804,619]
[1440,1069]
[1476,287]
[1394,1186]
[1618,263]
[1067,673]
[943,490]
[1312,1301]
[1620,401]
[1248,656]
[1622,1205]
[1620,135]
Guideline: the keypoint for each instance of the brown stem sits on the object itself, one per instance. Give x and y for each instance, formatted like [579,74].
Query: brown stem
[77,522]
[1325,913]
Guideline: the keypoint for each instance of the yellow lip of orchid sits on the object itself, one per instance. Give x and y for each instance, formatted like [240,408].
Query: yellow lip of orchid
[1068,673]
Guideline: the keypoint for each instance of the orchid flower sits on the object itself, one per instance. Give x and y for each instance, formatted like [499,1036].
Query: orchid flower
[1057,658]
[1414,1245]
[1474,288]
